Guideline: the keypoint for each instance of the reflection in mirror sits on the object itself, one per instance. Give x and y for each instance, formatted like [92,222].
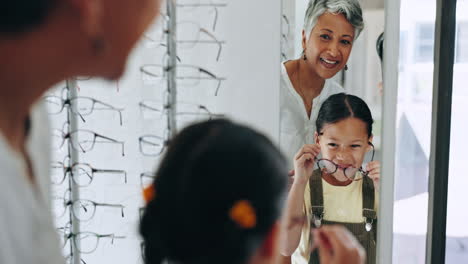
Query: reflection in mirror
[330,112]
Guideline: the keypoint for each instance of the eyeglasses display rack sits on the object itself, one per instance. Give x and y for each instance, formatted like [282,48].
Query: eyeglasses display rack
[108,137]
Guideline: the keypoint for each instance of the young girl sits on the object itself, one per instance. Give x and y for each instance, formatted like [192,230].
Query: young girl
[209,202]
[334,187]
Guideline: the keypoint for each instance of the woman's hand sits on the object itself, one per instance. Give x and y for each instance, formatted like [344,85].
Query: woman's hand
[337,245]
[374,173]
[304,162]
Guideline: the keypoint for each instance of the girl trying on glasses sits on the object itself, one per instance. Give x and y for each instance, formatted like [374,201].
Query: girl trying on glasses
[338,190]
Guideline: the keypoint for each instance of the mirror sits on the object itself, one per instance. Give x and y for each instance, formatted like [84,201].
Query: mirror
[324,53]
[219,72]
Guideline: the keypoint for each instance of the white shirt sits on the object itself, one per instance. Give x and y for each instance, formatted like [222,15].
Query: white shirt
[296,128]
[27,230]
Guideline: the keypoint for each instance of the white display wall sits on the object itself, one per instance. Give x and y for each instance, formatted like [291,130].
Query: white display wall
[248,34]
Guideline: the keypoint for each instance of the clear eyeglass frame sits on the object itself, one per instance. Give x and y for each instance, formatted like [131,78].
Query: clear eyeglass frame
[84,140]
[186,75]
[82,173]
[190,34]
[81,106]
[146,179]
[82,209]
[151,109]
[152,145]
[87,242]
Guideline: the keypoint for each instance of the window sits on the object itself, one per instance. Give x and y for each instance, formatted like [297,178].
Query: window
[461,53]
[424,43]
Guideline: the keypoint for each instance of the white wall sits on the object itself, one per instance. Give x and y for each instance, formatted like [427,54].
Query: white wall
[253,64]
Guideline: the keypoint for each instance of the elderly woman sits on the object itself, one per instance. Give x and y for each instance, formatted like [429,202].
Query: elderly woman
[330,29]
[43,42]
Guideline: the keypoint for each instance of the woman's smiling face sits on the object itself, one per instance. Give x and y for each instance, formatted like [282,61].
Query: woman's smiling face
[329,45]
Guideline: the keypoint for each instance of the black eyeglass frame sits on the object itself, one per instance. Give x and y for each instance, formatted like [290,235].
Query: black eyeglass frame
[361,170]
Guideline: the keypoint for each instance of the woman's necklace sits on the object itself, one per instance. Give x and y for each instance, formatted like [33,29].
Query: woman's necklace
[307,104]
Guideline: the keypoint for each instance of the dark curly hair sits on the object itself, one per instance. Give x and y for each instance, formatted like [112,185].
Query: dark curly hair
[17,16]
[207,169]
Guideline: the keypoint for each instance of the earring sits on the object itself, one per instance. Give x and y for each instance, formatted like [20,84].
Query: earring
[304,56]
[346,67]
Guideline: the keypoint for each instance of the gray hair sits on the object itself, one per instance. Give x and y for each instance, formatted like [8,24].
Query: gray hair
[351,9]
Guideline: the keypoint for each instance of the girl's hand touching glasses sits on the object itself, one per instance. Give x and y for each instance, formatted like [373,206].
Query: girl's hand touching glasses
[304,162]
[373,168]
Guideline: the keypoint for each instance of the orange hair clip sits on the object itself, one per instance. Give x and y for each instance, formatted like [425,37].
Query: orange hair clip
[149,193]
[243,214]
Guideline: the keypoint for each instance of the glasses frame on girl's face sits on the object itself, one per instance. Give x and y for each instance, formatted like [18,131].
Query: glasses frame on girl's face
[335,166]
